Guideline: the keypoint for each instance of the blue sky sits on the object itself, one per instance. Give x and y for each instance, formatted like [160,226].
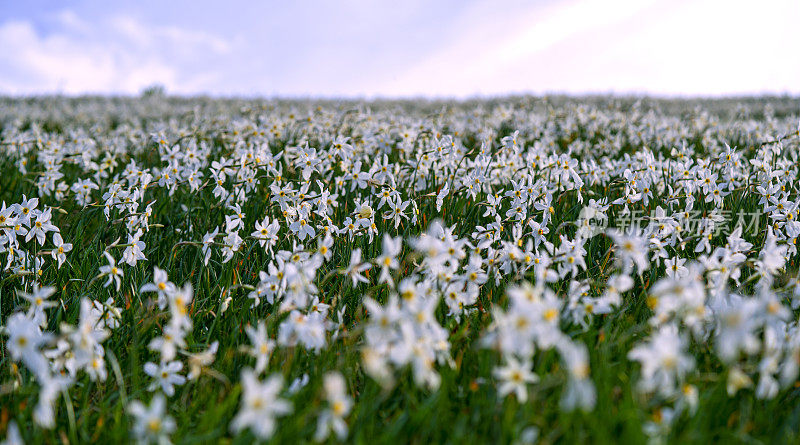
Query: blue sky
[401,48]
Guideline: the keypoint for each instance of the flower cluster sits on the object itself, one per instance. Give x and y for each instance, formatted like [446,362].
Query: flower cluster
[364,251]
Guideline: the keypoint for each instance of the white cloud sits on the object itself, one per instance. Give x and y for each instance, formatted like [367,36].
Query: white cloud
[119,56]
[69,20]
[702,47]
[152,37]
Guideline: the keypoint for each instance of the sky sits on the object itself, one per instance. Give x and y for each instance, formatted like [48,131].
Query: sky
[400,48]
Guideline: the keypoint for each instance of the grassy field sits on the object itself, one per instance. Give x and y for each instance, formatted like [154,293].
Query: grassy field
[519,270]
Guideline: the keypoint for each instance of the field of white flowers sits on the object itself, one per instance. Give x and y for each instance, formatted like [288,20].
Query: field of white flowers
[520,270]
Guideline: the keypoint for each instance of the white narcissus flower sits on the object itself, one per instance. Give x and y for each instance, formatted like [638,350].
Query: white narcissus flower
[339,405]
[514,378]
[308,330]
[202,360]
[169,342]
[161,285]
[87,337]
[615,287]
[388,260]
[134,251]
[179,305]
[38,300]
[737,321]
[262,346]
[675,267]
[40,226]
[397,211]
[25,339]
[260,406]
[580,392]
[266,233]
[302,228]
[324,247]
[7,218]
[664,361]
[232,242]
[166,376]
[111,271]
[151,423]
[631,250]
[356,267]
[208,241]
[60,249]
